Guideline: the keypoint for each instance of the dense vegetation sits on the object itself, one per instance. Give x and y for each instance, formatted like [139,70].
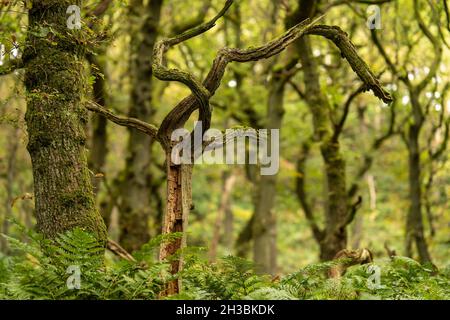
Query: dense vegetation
[38,273]
[94,204]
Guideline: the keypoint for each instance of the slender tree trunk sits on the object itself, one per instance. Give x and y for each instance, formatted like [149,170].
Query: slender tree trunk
[136,184]
[228,229]
[264,232]
[224,207]
[337,207]
[10,177]
[357,228]
[55,83]
[414,224]
[178,206]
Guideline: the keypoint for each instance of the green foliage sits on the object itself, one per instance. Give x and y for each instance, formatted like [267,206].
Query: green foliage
[230,278]
[234,278]
[38,270]
[403,278]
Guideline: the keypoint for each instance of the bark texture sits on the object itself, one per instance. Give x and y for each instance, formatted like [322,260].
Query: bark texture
[414,221]
[178,206]
[334,236]
[55,117]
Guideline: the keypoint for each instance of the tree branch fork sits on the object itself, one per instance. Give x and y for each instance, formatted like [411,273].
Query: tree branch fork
[202,91]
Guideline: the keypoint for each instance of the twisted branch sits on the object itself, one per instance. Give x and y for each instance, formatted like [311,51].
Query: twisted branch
[137,124]
[165,74]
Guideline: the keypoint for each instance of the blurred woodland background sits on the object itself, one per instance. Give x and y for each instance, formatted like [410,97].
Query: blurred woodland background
[356,170]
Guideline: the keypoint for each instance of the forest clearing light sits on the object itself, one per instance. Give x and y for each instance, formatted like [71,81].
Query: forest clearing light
[405,100]
[232,83]
[437,79]
[235,146]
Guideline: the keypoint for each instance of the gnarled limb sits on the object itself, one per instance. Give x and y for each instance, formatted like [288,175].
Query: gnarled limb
[115,248]
[181,113]
[137,124]
[348,51]
[163,73]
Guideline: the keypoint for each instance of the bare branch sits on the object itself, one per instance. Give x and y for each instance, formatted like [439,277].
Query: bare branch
[353,210]
[163,73]
[201,93]
[142,126]
[192,23]
[340,125]
[181,113]
[437,47]
[447,14]
[297,89]
[115,248]
[100,9]
[349,52]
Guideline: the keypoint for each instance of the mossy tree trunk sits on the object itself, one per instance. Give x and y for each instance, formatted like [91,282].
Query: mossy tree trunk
[334,236]
[336,205]
[414,221]
[136,186]
[55,117]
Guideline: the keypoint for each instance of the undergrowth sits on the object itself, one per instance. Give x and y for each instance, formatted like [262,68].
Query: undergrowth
[39,269]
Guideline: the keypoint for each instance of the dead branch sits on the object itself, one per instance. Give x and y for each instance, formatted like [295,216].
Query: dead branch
[115,248]
[142,126]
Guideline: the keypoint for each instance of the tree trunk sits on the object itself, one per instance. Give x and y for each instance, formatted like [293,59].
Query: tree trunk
[414,223]
[228,183]
[178,206]
[228,222]
[136,184]
[336,206]
[55,117]
[10,177]
[335,238]
[264,232]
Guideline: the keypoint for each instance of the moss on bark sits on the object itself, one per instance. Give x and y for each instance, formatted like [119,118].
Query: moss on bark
[55,117]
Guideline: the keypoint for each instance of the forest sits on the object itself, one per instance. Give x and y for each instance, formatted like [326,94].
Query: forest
[224,149]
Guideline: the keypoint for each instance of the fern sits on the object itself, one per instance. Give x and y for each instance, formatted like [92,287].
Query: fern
[38,270]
